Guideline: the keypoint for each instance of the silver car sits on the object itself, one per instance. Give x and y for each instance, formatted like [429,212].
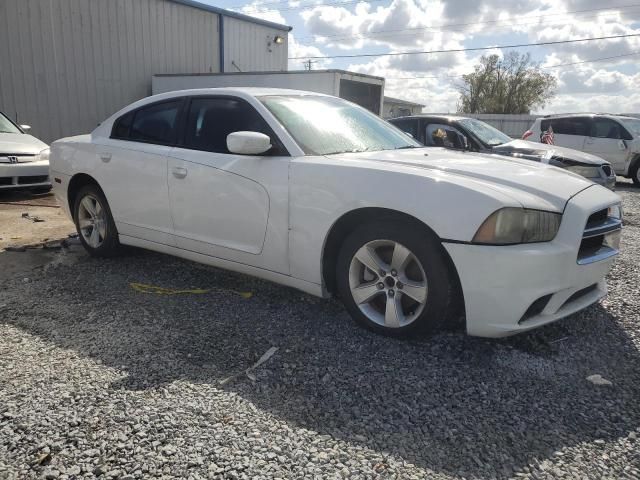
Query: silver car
[24,160]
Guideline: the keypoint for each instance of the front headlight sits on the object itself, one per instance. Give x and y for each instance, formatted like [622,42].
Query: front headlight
[44,155]
[512,225]
[588,172]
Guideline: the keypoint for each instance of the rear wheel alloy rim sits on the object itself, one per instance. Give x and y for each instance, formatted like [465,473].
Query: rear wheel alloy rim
[92,221]
[388,283]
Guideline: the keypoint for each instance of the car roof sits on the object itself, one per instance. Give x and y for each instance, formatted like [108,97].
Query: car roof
[586,114]
[239,91]
[427,116]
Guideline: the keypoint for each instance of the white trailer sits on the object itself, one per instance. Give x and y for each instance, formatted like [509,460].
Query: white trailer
[365,90]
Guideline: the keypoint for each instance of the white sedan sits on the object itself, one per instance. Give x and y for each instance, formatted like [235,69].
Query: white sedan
[314,192]
[24,160]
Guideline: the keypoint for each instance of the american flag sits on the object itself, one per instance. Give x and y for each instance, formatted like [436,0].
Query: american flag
[547,137]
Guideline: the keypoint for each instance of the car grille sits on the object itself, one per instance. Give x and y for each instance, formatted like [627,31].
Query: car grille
[16,157]
[595,243]
[607,170]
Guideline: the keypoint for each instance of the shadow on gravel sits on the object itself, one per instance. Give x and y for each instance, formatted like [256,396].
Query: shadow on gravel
[450,403]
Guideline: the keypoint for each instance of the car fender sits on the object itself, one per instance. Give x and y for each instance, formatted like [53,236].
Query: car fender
[322,191]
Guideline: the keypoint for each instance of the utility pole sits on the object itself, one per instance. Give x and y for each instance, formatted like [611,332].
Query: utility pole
[308,65]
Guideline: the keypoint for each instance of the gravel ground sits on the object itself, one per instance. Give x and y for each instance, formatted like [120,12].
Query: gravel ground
[100,380]
[16,230]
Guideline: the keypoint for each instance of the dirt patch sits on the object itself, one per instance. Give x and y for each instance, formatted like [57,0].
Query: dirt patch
[17,229]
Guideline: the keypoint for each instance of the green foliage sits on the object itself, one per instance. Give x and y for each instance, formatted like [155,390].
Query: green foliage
[513,84]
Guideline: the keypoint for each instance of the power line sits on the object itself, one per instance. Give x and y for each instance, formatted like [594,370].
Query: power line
[384,33]
[544,68]
[310,6]
[486,22]
[471,49]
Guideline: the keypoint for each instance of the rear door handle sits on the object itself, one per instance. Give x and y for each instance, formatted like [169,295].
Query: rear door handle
[179,172]
[105,157]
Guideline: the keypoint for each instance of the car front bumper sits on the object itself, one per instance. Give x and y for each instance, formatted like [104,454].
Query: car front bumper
[501,283]
[608,182]
[24,175]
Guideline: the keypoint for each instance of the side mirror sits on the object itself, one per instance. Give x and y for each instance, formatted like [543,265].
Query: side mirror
[409,134]
[248,143]
[25,127]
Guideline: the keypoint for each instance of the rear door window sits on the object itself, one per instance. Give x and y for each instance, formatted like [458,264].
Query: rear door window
[409,126]
[155,123]
[570,126]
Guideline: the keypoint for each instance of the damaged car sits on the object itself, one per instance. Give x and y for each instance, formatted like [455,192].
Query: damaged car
[461,133]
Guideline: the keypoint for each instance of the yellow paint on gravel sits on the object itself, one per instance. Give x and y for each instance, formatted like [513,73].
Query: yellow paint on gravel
[155,290]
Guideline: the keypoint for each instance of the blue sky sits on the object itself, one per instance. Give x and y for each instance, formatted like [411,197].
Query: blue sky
[334,27]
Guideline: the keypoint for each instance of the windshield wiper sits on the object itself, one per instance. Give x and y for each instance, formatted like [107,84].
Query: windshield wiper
[406,146]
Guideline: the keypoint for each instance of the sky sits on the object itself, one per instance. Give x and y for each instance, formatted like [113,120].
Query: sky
[350,27]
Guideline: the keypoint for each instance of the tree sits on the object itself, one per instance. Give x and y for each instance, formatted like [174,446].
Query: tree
[513,84]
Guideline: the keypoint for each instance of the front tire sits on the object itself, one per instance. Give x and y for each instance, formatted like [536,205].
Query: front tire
[394,279]
[94,222]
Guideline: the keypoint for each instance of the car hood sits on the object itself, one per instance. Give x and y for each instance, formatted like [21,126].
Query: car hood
[544,153]
[532,185]
[20,143]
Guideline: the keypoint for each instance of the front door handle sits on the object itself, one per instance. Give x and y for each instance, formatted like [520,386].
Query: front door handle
[179,172]
[105,157]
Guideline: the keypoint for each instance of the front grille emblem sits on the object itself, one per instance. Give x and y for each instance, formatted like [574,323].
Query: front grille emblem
[13,159]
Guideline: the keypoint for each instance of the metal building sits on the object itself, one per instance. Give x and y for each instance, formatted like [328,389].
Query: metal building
[66,65]
[394,107]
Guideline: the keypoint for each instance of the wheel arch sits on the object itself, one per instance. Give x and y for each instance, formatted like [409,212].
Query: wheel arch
[78,181]
[351,220]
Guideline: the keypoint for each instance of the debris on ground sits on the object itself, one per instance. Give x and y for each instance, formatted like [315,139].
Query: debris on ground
[34,218]
[249,371]
[598,380]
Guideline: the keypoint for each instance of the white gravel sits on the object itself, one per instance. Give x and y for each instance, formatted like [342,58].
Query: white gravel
[99,380]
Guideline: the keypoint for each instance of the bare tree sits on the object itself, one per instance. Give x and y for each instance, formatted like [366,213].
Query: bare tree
[513,84]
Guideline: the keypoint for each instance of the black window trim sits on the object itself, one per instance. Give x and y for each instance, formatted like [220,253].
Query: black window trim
[182,133]
[178,128]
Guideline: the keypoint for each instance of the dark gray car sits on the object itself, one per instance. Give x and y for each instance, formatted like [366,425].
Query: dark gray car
[462,133]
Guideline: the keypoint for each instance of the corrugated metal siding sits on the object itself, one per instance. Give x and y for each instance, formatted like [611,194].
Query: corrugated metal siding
[245,44]
[66,65]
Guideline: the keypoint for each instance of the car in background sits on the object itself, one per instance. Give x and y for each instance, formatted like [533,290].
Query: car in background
[317,193]
[24,160]
[615,138]
[461,133]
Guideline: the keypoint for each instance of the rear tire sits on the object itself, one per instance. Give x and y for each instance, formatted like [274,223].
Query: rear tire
[412,289]
[94,222]
[635,173]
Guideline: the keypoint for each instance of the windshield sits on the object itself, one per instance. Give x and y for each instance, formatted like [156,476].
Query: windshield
[6,126]
[329,125]
[633,125]
[485,132]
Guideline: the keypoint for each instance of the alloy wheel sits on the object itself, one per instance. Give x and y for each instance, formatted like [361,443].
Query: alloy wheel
[92,221]
[388,283]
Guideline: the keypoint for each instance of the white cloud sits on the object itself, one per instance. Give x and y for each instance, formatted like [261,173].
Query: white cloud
[409,25]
